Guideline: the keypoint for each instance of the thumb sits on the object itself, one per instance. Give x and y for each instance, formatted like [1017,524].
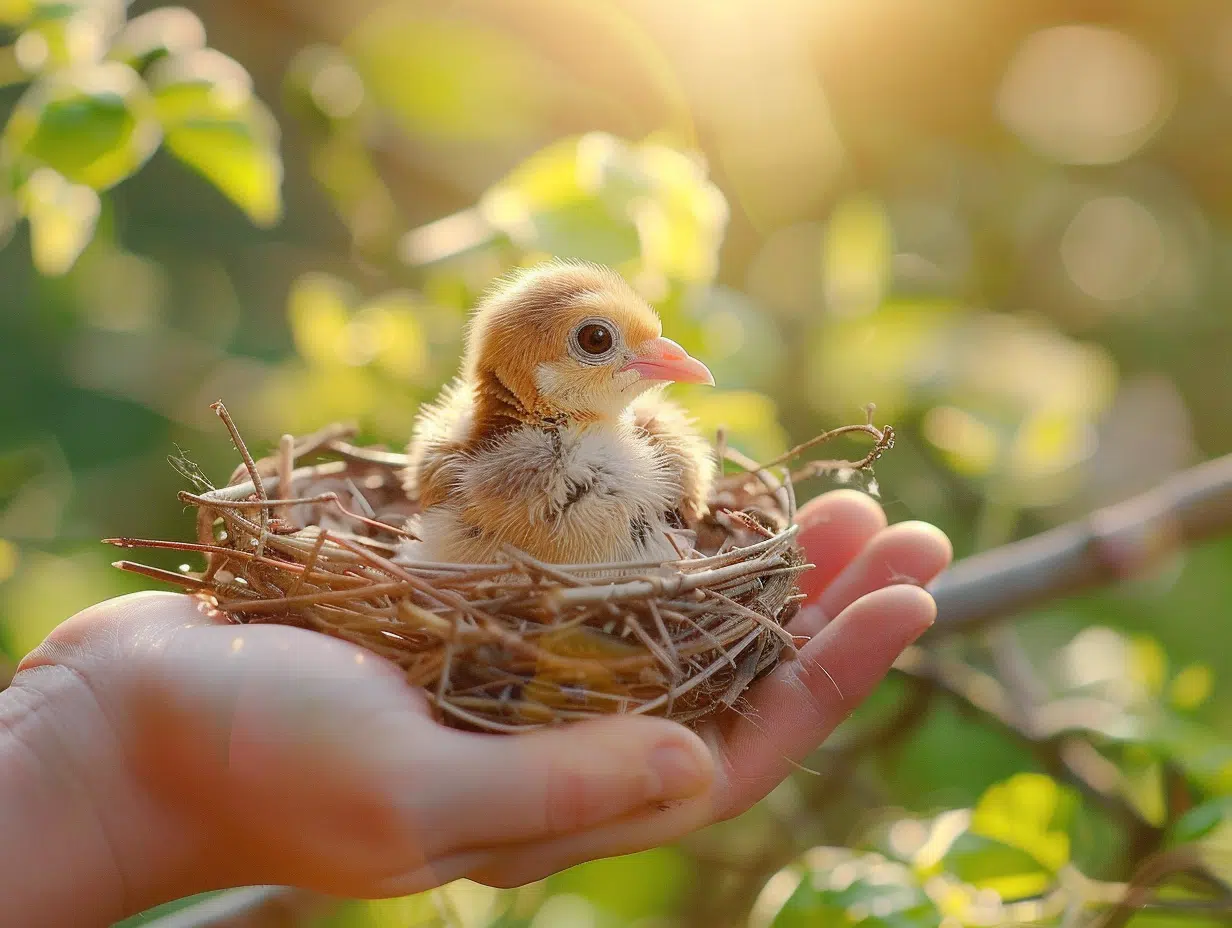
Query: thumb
[487,790]
[317,765]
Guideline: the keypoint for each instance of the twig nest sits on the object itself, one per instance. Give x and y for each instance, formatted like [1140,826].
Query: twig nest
[501,647]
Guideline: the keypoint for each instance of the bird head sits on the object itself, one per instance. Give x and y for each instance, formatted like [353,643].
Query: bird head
[572,341]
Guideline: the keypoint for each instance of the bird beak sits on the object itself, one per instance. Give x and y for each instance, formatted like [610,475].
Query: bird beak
[662,359]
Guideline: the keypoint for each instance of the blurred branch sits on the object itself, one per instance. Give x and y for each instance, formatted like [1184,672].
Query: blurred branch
[1115,543]
[1139,895]
[451,237]
[1050,731]
[1072,759]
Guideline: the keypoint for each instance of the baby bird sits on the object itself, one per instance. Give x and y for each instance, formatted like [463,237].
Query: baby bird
[553,438]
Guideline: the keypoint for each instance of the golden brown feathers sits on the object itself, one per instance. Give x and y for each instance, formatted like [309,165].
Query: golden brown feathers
[548,440]
[520,329]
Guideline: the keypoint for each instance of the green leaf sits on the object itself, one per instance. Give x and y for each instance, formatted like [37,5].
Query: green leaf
[1208,828]
[648,209]
[62,216]
[987,863]
[1030,812]
[215,125]
[839,889]
[582,230]
[1201,821]
[170,30]
[1014,842]
[543,205]
[95,126]
[1143,784]
[1204,755]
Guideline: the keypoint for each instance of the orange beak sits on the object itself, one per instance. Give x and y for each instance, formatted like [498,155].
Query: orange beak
[662,359]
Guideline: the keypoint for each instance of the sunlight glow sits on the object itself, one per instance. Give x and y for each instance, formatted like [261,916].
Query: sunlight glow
[1084,94]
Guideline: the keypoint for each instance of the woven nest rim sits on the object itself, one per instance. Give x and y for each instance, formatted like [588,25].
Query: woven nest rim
[507,647]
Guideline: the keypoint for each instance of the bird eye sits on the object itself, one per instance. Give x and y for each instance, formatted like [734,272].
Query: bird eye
[594,338]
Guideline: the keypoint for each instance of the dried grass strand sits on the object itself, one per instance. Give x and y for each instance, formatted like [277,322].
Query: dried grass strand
[511,646]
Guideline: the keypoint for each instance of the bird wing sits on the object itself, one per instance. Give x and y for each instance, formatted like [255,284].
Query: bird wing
[436,450]
[686,455]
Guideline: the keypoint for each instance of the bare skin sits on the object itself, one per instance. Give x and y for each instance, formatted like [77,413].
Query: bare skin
[148,751]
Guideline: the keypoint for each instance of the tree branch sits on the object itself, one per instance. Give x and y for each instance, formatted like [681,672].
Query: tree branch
[1152,873]
[1111,544]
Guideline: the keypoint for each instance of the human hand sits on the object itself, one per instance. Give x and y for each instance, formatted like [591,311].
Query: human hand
[164,752]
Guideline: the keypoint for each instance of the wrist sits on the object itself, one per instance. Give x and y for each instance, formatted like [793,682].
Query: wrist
[82,843]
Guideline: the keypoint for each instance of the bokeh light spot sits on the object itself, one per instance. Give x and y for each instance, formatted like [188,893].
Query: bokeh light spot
[856,252]
[337,90]
[1084,94]
[907,836]
[32,51]
[970,446]
[1192,687]
[1113,249]
[724,334]
[566,911]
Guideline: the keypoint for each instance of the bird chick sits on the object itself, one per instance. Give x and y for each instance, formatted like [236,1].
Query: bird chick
[554,438]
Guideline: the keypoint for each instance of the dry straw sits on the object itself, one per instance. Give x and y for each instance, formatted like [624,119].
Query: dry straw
[505,647]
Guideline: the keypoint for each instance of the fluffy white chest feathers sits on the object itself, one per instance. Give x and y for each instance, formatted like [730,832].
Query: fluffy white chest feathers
[577,494]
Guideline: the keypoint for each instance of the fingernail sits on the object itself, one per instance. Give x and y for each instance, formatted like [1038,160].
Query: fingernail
[681,771]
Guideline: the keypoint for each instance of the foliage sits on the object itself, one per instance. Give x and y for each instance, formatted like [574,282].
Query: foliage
[103,93]
[1003,228]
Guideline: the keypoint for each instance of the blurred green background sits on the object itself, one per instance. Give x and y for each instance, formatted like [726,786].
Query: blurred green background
[1006,225]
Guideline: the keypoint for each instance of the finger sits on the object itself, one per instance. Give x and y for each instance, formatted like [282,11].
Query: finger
[834,528]
[538,786]
[119,627]
[797,707]
[908,608]
[906,553]
[647,829]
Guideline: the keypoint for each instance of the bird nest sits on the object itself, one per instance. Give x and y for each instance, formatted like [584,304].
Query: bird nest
[308,537]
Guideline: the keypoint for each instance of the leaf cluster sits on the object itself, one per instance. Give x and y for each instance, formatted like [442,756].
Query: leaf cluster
[102,94]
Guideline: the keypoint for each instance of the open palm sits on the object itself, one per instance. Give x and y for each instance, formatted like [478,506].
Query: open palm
[215,755]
